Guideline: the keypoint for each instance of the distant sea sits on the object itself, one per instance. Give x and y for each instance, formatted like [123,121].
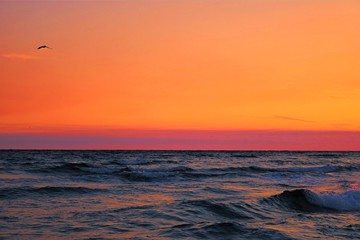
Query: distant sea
[179,195]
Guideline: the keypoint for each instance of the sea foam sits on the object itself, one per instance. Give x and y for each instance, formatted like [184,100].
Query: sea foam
[349,200]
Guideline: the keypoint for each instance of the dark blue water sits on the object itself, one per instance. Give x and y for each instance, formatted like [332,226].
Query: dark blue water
[179,195]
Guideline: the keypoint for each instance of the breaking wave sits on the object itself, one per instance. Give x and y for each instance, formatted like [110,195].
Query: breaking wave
[307,200]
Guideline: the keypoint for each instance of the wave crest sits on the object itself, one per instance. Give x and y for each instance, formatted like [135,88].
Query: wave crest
[306,200]
[349,200]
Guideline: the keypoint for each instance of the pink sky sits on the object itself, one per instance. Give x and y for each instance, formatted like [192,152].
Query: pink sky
[186,140]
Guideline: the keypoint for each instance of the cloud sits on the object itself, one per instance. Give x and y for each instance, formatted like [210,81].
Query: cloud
[19,56]
[345,93]
[292,119]
[344,126]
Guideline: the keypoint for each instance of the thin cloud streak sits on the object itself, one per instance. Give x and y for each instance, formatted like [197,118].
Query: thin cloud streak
[292,119]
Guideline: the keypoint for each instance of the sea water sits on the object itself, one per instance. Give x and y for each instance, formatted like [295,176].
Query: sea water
[179,195]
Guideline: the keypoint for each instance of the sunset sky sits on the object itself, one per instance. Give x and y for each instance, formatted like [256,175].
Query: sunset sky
[180,74]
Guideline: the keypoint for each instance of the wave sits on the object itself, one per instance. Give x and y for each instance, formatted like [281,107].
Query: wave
[152,174]
[158,174]
[320,169]
[257,169]
[77,169]
[206,230]
[48,190]
[67,167]
[140,162]
[223,230]
[138,175]
[137,172]
[235,155]
[349,200]
[307,200]
[226,210]
[326,155]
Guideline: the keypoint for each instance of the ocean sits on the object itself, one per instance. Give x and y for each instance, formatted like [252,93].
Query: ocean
[179,195]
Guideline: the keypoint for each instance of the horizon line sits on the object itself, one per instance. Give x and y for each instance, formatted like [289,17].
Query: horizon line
[174,150]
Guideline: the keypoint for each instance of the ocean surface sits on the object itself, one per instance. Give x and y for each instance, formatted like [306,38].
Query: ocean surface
[179,195]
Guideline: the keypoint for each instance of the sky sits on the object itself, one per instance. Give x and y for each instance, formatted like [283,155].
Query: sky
[180,74]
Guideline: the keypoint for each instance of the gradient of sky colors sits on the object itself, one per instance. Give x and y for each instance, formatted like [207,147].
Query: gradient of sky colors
[271,74]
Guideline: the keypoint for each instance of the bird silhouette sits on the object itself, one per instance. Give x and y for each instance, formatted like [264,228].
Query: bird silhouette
[44,46]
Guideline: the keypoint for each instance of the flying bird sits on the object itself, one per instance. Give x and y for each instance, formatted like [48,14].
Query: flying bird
[44,46]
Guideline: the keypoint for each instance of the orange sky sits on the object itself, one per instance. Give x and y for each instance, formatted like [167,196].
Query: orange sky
[287,65]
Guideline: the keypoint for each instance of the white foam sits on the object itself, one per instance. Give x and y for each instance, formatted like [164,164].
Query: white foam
[349,200]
